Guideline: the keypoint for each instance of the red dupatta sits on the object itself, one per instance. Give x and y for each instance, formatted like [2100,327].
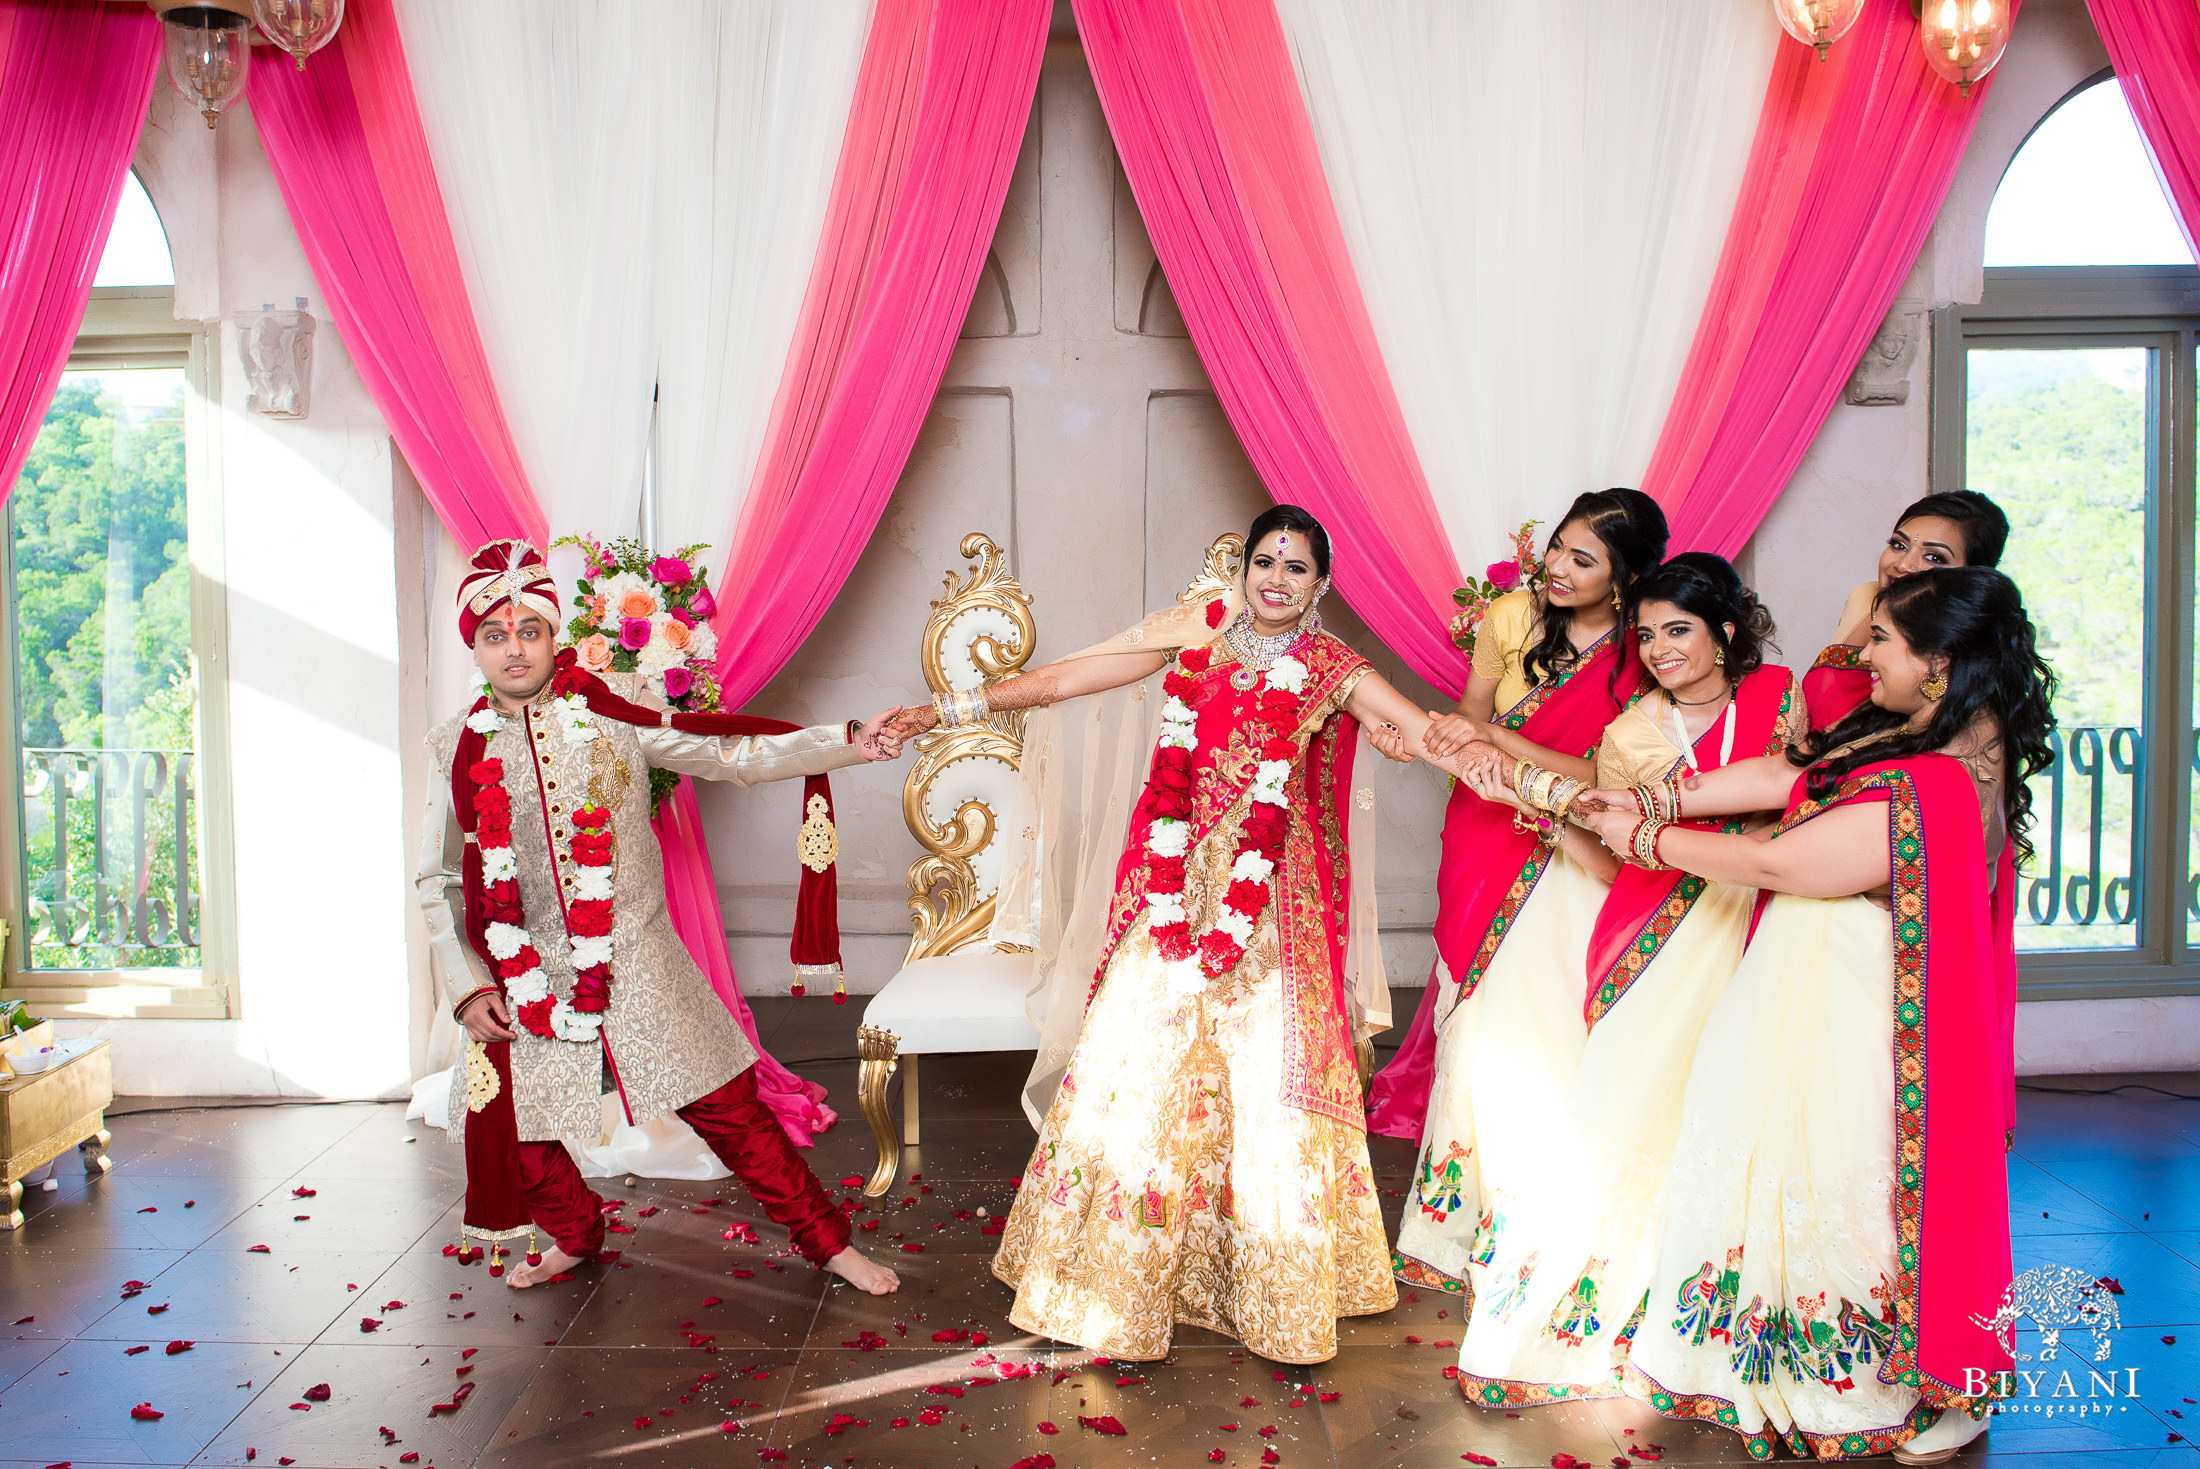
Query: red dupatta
[496,1199]
[1489,868]
[1312,879]
[1951,1193]
[1836,683]
[1644,907]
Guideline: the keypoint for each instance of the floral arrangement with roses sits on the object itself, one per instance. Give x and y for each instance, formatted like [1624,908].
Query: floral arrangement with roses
[638,612]
[1498,578]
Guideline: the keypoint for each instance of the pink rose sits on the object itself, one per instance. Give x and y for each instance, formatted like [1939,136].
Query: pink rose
[684,617]
[677,682]
[703,605]
[634,634]
[595,652]
[1503,575]
[670,570]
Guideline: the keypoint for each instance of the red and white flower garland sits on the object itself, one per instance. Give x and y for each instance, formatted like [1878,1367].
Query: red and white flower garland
[1192,960]
[593,853]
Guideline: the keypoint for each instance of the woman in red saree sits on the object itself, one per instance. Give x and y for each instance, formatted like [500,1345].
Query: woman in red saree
[1836,1224]
[1550,671]
[1564,1256]
[1204,1159]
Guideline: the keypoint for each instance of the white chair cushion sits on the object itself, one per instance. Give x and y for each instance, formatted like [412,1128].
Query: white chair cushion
[970,1001]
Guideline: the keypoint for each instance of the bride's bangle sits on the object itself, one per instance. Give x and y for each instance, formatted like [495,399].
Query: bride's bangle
[1642,846]
[960,707]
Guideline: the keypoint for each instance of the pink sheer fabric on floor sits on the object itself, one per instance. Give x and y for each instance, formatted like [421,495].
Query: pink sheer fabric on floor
[1852,159]
[75,81]
[2156,51]
[1207,115]
[344,139]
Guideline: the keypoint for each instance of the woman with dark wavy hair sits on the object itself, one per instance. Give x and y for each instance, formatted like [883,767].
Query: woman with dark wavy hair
[1558,1242]
[1551,668]
[1836,1224]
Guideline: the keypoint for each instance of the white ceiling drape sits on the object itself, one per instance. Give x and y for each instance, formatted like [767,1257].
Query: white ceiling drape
[1535,198]
[636,193]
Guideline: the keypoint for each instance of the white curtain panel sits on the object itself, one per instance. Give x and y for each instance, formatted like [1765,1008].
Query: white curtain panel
[1535,198]
[636,193]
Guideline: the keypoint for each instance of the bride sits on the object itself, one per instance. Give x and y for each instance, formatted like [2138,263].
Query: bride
[1204,1160]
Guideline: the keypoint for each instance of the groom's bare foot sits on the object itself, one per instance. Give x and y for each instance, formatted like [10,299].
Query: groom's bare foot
[863,1272]
[553,1260]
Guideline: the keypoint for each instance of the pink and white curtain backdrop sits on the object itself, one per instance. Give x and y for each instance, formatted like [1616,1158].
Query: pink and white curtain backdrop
[75,80]
[2156,51]
[718,208]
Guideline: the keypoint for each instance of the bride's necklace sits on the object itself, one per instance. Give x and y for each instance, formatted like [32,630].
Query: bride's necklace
[1255,651]
[1688,746]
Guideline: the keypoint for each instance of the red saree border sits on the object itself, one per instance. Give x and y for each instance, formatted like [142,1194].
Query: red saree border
[1651,934]
[1846,657]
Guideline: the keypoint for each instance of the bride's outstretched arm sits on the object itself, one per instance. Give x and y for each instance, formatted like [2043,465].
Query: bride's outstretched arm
[1049,685]
[1395,725]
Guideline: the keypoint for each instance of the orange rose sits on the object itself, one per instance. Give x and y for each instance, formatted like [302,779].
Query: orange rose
[677,635]
[595,652]
[636,604]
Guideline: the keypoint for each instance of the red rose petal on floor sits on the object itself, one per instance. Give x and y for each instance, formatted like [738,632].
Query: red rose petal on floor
[150,1209]
[1249,1402]
[133,1351]
[1035,1461]
[1214,1456]
[1270,1456]
[1482,1459]
[146,1413]
[175,1347]
[393,1305]
[408,1458]
[914,1249]
[1129,1381]
[256,1249]
[389,1435]
[1331,1397]
[1103,1423]
[318,1393]
[368,1323]
[133,1285]
[853,1180]
[1230,1427]
[156,1310]
[713,1301]
[730,1426]
[1453,1373]
[286,1461]
[773,1456]
[1416,1341]
[2169,1341]
[930,1416]
[644,1422]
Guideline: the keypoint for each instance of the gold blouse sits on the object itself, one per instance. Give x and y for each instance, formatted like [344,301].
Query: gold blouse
[1508,631]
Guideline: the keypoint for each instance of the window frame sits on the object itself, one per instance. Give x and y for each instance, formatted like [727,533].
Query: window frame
[136,327]
[2156,306]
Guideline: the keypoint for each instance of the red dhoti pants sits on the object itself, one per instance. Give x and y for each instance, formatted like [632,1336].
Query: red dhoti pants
[747,1138]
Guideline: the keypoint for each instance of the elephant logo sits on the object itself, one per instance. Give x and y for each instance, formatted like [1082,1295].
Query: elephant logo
[2057,1298]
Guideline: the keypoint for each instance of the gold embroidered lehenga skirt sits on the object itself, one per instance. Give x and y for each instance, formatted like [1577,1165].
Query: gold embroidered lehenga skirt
[1171,1184]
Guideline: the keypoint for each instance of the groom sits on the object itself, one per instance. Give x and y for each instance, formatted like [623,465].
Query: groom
[543,889]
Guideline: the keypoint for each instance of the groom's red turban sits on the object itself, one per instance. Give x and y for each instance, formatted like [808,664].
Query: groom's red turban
[505,571]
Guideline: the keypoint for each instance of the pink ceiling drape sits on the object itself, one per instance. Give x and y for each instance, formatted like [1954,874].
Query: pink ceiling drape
[2155,48]
[345,142]
[939,112]
[1852,160]
[1206,113]
[75,81]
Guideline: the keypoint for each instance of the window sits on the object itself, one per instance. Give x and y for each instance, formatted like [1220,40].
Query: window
[2067,395]
[110,630]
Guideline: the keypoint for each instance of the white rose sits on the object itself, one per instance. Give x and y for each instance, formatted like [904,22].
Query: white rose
[1184,978]
[1287,674]
[592,884]
[1178,737]
[1251,867]
[1170,837]
[498,864]
[525,989]
[589,952]
[1236,925]
[1165,908]
[572,1025]
[1176,711]
[504,940]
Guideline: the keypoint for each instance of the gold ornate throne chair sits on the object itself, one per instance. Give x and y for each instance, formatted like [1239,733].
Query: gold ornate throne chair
[955,991]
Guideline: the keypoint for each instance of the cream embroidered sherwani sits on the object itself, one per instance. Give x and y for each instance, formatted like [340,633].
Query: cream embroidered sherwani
[668,1038]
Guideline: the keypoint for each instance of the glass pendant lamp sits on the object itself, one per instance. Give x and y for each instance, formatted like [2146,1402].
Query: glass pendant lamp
[1817,23]
[1963,39]
[300,27]
[207,53]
